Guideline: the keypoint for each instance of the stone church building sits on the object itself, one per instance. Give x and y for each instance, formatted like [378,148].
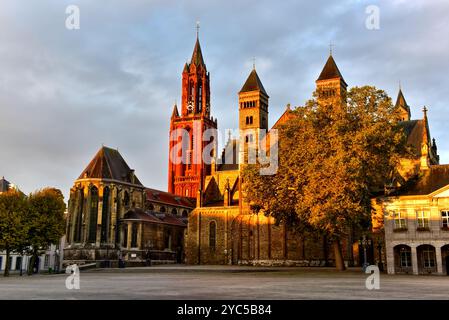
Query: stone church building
[222,229]
[112,216]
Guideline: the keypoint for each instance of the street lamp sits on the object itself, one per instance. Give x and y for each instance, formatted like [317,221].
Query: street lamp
[365,243]
[379,247]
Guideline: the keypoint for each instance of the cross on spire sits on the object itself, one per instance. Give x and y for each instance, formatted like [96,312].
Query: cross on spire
[197,29]
[331,45]
[254,63]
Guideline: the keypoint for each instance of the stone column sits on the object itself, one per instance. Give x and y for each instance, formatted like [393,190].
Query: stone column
[414,260]
[140,236]
[389,252]
[128,241]
[439,260]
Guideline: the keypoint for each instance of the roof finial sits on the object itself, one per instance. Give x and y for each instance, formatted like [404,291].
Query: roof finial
[424,110]
[197,29]
[400,86]
[331,48]
[254,63]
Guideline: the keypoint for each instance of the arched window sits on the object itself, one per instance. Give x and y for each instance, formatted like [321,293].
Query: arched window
[212,235]
[184,214]
[167,239]
[150,207]
[105,216]
[174,212]
[251,120]
[162,209]
[93,217]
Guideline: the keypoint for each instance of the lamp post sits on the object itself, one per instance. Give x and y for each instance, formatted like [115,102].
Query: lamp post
[379,247]
[365,243]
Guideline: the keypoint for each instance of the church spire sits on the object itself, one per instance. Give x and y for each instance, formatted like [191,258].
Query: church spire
[197,56]
[330,83]
[330,70]
[175,112]
[402,108]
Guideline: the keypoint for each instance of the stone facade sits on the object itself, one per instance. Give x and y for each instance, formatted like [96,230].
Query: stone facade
[416,228]
[112,216]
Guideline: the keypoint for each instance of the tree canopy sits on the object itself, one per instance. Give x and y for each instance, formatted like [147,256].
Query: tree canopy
[333,156]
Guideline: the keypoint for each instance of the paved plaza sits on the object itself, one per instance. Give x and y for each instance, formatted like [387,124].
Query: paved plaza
[218,282]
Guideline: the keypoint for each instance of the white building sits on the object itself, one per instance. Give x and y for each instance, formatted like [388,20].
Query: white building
[416,225]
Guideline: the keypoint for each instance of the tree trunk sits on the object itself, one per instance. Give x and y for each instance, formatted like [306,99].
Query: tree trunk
[339,263]
[325,251]
[6,273]
[32,262]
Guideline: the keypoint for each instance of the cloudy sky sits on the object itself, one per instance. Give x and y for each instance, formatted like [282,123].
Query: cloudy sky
[64,93]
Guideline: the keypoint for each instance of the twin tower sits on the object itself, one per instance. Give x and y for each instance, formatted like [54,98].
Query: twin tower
[186,177]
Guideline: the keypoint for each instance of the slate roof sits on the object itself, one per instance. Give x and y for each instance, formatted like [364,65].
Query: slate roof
[168,198]
[415,131]
[431,180]
[330,71]
[148,216]
[253,83]
[197,55]
[109,164]
[4,185]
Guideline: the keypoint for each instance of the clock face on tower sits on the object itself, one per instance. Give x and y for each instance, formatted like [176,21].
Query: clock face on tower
[190,105]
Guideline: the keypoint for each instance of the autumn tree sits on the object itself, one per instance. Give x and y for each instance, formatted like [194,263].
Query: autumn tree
[333,156]
[13,226]
[46,221]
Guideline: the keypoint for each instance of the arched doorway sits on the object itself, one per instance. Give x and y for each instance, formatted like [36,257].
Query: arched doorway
[402,259]
[426,259]
[445,258]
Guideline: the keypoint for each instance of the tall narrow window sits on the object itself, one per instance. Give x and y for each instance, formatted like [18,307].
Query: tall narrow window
[93,216]
[134,236]
[200,97]
[428,258]
[212,235]
[405,258]
[126,199]
[423,219]
[399,220]
[445,219]
[79,217]
[125,235]
[105,216]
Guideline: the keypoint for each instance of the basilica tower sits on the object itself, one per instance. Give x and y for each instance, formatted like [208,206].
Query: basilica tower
[186,177]
[253,114]
[330,85]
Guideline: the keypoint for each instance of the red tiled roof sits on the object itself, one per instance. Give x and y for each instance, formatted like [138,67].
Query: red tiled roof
[168,198]
[147,216]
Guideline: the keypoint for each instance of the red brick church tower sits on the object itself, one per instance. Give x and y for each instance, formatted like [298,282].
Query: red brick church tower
[187,178]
